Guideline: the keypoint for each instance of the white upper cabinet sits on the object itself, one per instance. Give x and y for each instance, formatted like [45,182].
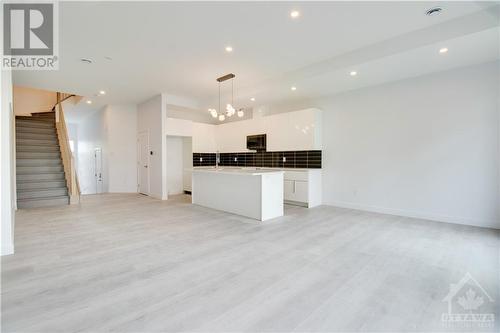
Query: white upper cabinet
[298,130]
[232,137]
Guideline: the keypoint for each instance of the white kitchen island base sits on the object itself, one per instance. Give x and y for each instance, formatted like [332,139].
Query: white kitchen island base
[257,194]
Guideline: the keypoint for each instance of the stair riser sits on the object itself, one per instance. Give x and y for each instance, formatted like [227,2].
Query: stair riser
[44,114]
[36,142]
[35,136]
[35,124]
[41,185]
[42,203]
[27,162]
[38,119]
[37,149]
[36,170]
[38,155]
[40,177]
[42,130]
[39,194]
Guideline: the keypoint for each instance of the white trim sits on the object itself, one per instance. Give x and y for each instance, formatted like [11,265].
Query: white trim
[139,164]
[7,249]
[413,214]
[163,109]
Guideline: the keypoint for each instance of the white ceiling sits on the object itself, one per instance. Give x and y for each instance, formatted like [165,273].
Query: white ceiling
[178,48]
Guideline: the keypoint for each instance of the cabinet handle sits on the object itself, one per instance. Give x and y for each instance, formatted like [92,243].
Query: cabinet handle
[294,183]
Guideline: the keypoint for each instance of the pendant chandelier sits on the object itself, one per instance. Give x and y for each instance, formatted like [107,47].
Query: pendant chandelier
[229,110]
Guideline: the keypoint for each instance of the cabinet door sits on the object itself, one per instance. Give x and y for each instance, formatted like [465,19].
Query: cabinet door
[288,187]
[301,191]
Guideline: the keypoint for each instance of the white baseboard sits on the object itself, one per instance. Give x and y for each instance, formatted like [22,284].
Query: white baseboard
[413,214]
[7,249]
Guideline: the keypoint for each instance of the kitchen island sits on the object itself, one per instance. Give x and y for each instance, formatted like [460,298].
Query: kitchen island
[257,194]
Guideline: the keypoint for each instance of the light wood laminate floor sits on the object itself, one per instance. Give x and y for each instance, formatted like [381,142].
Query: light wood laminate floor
[129,263]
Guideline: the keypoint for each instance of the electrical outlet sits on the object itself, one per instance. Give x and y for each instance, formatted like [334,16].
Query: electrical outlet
[236,159]
[201,159]
[284,159]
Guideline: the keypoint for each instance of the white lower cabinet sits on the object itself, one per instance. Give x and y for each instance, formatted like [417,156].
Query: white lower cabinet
[303,187]
[288,189]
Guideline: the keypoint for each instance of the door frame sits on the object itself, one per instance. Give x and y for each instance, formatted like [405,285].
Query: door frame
[98,178]
[139,164]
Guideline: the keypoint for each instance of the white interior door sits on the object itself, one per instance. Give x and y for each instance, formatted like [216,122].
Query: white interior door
[143,163]
[98,170]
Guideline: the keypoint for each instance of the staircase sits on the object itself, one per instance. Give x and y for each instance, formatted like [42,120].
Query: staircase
[40,173]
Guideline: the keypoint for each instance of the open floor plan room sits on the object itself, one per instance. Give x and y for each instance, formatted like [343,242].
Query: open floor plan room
[129,263]
[257,166]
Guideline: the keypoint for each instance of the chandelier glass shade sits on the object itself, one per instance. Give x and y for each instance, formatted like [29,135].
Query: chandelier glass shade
[229,110]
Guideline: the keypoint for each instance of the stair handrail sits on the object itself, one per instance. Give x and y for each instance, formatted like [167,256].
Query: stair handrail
[68,158]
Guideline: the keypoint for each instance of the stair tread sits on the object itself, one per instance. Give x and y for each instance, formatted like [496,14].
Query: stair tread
[40,181]
[45,198]
[43,114]
[41,173]
[24,190]
[32,124]
[31,118]
[42,135]
[40,159]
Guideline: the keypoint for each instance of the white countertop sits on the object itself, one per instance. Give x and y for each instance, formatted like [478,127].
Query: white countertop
[253,168]
[237,171]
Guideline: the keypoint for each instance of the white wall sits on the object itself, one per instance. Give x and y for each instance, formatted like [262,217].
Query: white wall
[7,171]
[425,147]
[30,100]
[152,118]
[179,127]
[187,162]
[204,138]
[113,129]
[121,146]
[175,165]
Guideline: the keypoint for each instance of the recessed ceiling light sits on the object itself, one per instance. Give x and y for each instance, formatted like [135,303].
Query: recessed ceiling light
[353,73]
[102,92]
[293,88]
[443,50]
[252,99]
[89,102]
[433,11]
[86,60]
[229,49]
[294,14]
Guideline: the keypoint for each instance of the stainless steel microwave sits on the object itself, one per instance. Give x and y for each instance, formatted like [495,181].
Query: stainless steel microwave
[256,142]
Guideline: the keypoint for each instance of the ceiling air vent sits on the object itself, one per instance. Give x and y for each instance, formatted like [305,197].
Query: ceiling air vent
[433,11]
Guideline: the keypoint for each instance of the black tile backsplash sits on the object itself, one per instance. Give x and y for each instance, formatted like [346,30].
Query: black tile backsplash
[203,159]
[310,159]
